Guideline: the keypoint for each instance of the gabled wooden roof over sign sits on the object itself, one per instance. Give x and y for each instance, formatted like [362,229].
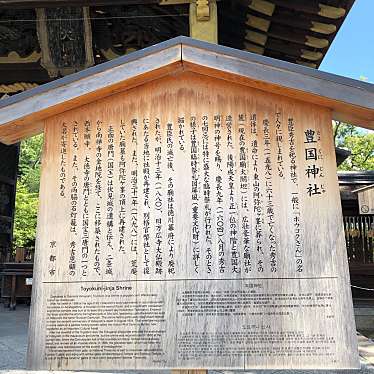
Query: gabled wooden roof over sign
[22,115]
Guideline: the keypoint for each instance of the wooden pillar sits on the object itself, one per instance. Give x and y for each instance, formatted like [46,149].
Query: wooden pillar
[204,20]
[66,42]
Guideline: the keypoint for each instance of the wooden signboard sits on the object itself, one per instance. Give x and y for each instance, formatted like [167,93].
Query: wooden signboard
[189,222]
[366,199]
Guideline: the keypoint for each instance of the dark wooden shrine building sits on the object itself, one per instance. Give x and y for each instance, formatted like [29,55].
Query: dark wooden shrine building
[39,44]
[359,232]
[44,40]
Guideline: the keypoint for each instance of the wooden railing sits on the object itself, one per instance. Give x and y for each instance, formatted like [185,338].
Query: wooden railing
[359,236]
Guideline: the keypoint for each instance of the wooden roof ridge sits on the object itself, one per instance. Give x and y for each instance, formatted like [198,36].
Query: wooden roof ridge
[350,100]
[356,177]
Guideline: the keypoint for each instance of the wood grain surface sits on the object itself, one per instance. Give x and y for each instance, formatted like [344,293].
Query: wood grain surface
[350,100]
[191,223]
[366,201]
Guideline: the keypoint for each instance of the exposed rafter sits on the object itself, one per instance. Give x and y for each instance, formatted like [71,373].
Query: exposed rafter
[299,31]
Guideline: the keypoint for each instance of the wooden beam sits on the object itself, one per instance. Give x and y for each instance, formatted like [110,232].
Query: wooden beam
[14,58]
[256,37]
[306,63]
[202,10]
[262,6]
[258,23]
[323,28]
[174,2]
[12,4]
[16,87]
[254,48]
[297,36]
[204,20]
[349,100]
[287,34]
[307,54]
[61,54]
[294,50]
[263,24]
[331,11]
[312,7]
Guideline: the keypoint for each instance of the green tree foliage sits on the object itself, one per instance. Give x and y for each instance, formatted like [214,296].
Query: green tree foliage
[25,217]
[29,162]
[359,142]
[27,192]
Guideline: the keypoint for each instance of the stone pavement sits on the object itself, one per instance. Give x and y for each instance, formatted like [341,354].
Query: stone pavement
[13,337]
[13,346]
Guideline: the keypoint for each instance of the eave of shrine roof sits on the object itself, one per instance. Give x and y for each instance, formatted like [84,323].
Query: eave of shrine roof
[350,100]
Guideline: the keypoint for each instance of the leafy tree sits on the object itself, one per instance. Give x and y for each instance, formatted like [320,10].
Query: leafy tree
[359,142]
[29,163]
[25,216]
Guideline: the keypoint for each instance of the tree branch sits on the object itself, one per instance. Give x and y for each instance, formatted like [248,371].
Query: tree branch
[337,125]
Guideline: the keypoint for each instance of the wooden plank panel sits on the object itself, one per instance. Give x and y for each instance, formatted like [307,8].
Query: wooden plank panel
[191,223]
[346,101]
[366,201]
